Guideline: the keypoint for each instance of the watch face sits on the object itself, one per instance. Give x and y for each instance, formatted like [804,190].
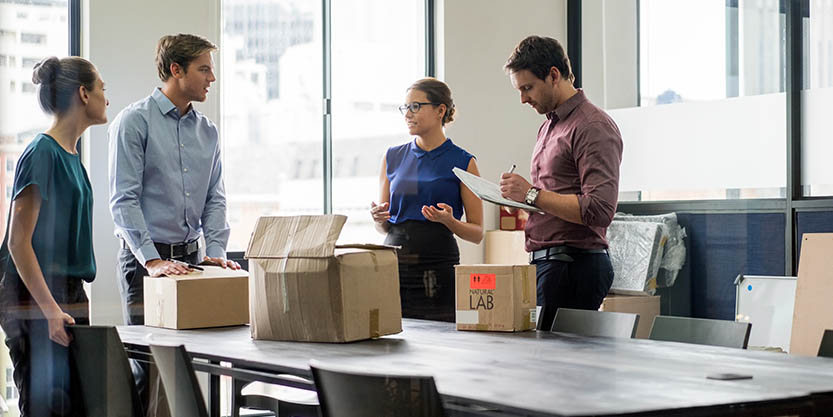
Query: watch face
[531,196]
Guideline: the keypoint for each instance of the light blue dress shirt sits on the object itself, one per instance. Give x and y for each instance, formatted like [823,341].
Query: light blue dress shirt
[166,182]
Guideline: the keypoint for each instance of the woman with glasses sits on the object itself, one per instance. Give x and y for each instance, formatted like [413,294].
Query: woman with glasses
[47,254]
[422,202]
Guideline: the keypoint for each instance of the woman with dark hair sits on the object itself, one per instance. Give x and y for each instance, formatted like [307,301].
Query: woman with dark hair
[421,203]
[47,253]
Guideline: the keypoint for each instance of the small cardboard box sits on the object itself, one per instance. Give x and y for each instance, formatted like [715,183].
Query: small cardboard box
[647,306]
[504,247]
[514,220]
[305,288]
[496,297]
[213,297]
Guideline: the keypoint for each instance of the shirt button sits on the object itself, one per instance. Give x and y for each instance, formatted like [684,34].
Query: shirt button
[188,194]
[185,170]
[182,145]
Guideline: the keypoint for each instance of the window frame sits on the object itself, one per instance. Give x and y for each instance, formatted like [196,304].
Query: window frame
[794,202]
[327,137]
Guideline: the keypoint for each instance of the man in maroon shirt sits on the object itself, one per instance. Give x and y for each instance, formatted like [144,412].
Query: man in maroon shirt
[575,181]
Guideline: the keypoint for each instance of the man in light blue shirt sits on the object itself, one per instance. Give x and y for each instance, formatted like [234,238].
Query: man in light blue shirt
[166,183]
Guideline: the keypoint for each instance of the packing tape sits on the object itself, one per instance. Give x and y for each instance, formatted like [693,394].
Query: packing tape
[284,293]
[481,327]
[375,261]
[160,305]
[525,284]
[374,323]
[284,258]
[160,308]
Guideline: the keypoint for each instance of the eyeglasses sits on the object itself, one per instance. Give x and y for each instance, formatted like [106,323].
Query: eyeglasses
[414,107]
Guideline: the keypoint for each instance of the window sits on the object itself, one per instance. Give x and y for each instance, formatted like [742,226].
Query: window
[20,114]
[708,120]
[30,62]
[739,50]
[364,79]
[817,99]
[34,38]
[272,99]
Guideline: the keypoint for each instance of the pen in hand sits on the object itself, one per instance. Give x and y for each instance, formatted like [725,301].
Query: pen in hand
[511,170]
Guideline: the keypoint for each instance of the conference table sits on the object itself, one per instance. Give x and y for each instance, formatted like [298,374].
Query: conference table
[530,373]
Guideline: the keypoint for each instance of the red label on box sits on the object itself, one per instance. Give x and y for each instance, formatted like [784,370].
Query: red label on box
[482,281]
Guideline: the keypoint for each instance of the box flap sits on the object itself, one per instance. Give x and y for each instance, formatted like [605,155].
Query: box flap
[367,246]
[295,236]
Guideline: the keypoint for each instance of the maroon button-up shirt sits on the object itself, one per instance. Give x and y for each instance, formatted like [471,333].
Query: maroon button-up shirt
[579,150]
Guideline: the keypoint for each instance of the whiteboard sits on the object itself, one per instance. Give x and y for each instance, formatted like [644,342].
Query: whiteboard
[767,302]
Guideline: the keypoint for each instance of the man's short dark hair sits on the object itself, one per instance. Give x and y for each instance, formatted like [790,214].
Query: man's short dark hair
[538,54]
[180,49]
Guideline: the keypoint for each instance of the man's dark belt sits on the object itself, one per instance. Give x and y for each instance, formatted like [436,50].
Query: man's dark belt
[561,253]
[177,250]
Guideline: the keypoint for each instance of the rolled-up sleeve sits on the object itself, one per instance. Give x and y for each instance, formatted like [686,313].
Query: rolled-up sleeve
[598,156]
[126,169]
[214,223]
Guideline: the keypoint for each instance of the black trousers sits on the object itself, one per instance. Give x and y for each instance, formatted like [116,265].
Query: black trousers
[580,284]
[426,269]
[45,377]
[131,285]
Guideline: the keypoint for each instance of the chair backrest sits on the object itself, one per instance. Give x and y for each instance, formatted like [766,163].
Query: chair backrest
[595,323]
[701,331]
[179,380]
[347,394]
[107,384]
[826,346]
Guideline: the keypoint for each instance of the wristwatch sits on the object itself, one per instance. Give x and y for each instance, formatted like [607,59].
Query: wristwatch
[532,195]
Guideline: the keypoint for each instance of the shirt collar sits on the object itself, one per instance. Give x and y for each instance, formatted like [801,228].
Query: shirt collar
[165,104]
[561,112]
[434,153]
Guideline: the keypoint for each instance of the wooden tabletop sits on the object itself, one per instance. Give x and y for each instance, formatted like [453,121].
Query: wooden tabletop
[540,372]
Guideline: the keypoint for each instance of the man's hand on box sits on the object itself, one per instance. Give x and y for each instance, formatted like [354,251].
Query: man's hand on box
[221,262]
[158,267]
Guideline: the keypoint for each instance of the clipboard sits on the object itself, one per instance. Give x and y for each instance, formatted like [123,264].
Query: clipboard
[489,191]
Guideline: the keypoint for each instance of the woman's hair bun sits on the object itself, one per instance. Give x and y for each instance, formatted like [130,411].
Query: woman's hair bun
[46,70]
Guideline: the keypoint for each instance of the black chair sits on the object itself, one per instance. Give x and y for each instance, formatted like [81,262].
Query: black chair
[282,400]
[826,346]
[358,394]
[107,384]
[701,331]
[595,323]
[179,380]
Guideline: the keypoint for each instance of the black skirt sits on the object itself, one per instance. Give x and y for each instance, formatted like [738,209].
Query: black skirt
[426,269]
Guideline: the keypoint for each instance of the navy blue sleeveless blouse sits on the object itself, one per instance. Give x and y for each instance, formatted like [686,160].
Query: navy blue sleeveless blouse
[421,178]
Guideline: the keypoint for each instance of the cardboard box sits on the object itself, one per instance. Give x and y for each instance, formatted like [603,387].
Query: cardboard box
[647,306]
[496,297]
[813,312]
[505,247]
[305,288]
[213,297]
[516,220]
